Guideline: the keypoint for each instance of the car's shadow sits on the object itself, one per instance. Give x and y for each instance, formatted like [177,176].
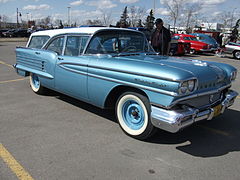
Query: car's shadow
[208,138]
[106,113]
[204,139]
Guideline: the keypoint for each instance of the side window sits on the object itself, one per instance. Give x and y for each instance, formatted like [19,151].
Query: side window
[56,45]
[72,46]
[38,41]
[94,46]
[75,45]
[176,37]
[84,40]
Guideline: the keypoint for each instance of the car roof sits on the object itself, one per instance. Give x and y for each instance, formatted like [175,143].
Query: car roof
[84,30]
[200,34]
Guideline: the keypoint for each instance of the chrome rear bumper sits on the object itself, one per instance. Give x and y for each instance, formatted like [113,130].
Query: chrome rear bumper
[175,120]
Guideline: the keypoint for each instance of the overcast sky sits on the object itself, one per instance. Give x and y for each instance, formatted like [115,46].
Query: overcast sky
[82,10]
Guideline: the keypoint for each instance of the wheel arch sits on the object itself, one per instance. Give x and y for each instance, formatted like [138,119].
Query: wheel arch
[236,50]
[117,91]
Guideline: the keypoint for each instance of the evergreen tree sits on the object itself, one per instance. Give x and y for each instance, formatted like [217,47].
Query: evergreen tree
[124,19]
[149,24]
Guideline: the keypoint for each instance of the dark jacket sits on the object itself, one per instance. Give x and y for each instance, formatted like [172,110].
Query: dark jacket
[163,40]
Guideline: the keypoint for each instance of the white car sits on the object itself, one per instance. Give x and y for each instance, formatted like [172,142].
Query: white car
[234,49]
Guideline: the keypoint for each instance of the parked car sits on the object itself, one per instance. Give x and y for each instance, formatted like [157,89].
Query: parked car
[144,30]
[207,39]
[233,48]
[8,33]
[196,46]
[117,68]
[17,33]
[2,31]
[179,48]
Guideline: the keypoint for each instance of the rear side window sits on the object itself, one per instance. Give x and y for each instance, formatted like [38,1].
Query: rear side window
[75,45]
[38,41]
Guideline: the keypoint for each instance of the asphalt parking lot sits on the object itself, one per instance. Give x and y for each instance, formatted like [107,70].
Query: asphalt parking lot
[55,137]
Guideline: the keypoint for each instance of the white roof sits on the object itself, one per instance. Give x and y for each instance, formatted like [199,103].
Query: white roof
[87,30]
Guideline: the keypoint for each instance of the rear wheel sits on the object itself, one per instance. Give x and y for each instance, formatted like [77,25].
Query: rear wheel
[236,55]
[133,114]
[36,84]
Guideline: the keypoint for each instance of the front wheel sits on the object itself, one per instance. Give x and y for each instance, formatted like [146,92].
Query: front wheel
[133,114]
[192,51]
[35,84]
[236,55]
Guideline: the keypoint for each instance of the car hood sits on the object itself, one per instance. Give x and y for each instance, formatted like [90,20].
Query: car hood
[176,69]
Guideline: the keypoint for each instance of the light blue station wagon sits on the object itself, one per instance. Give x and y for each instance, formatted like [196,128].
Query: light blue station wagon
[117,68]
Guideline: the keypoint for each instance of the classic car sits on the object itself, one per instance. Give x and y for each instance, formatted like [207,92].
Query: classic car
[17,33]
[233,48]
[207,39]
[196,46]
[179,48]
[117,68]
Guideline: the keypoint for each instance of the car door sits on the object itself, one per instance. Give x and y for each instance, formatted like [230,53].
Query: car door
[71,68]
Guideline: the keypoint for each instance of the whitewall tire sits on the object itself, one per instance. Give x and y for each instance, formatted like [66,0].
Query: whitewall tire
[133,114]
[35,84]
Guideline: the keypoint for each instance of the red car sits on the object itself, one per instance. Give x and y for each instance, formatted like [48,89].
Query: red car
[179,48]
[196,46]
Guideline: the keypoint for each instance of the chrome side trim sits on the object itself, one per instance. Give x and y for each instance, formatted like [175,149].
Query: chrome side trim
[135,73]
[115,80]
[134,85]
[40,73]
[72,70]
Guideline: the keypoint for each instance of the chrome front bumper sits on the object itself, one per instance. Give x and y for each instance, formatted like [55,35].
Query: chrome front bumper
[175,120]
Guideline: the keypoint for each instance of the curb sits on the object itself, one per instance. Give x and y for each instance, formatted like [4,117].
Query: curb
[13,39]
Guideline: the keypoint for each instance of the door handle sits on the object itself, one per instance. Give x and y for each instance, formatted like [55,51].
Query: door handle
[60,58]
[37,53]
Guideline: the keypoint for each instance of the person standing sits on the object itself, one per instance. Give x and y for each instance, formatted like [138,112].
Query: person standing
[161,37]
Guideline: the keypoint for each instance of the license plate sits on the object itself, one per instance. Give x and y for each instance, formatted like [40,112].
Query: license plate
[217,110]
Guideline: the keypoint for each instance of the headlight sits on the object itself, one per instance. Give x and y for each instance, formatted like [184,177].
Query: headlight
[191,85]
[187,86]
[233,75]
[183,87]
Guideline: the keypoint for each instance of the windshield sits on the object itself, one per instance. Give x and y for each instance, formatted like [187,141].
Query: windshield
[118,41]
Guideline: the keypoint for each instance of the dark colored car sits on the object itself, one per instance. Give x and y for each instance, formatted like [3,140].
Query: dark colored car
[8,33]
[2,31]
[145,31]
[17,33]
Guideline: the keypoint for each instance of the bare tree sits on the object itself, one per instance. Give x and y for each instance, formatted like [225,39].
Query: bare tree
[190,11]
[106,18]
[95,22]
[175,8]
[228,18]
[3,21]
[136,14]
